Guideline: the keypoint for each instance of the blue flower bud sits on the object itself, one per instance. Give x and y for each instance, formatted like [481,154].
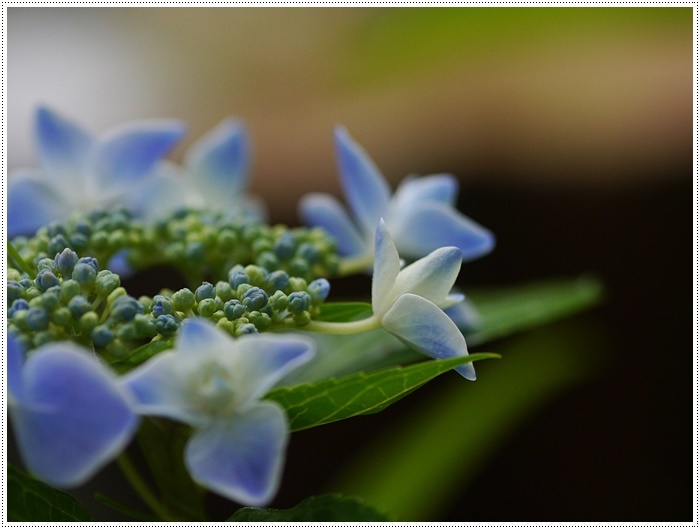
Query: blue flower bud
[46,264]
[91,261]
[83,226]
[237,279]
[234,309]
[299,302]
[84,274]
[79,241]
[277,280]
[55,228]
[255,298]
[46,279]
[37,319]
[298,267]
[65,261]
[166,324]
[14,291]
[309,253]
[26,283]
[205,291]
[78,306]
[319,289]
[246,328]
[18,304]
[284,246]
[162,305]
[57,244]
[101,336]
[268,261]
[195,252]
[125,308]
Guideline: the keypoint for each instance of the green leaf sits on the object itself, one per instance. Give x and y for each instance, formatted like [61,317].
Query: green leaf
[507,311]
[325,508]
[344,312]
[30,500]
[139,355]
[326,401]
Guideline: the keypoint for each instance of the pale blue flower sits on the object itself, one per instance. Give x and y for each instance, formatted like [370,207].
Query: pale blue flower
[215,174]
[409,302]
[214,383]
[420,215]
[69,413]
[79,172]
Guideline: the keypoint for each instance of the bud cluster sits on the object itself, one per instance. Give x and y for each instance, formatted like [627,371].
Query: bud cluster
[71,299]
[199,244]
[251,301]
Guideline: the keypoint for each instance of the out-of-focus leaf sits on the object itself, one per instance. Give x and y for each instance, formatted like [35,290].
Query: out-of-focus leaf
[510,310]
[344,312]
[139,355]
[447,439]
[326,401]
[30,500]
[325,508]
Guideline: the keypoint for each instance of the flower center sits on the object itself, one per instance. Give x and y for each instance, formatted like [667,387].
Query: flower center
[215,393]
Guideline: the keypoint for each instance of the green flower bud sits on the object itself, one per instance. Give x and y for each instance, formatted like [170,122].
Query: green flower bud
[106,282]
[116,349]
[256,274]
[224,291]
[61,317]
[302,319]
[279,301]
[78,306]
[69,289]
[207,308]
[88,321]
[101,335]
[183,300]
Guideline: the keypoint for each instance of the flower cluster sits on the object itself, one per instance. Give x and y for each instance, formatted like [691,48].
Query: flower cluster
[207,352]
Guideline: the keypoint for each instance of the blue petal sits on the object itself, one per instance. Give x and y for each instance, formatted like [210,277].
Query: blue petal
[31,204]
[386,269]
[413,190]
[15,360]
[365,188]
[158,195]
[119,264]
[431,225]
[72,418]
[126,154]
[63,146]
[465,316]
[159,389]
[425,328]
[241,457]
[219,161]
[320,209]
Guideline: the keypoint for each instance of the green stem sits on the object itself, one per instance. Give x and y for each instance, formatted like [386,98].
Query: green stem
[355,265]
[14,255]
[129,471]
[351,327]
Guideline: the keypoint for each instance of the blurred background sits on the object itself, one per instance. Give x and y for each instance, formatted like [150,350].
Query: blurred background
[570,130]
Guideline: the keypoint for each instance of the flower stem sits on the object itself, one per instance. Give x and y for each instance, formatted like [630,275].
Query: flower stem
[14,255]
[129,471]
[351,327]
[355,265]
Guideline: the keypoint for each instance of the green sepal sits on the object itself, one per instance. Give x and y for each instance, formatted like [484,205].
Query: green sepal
[324,508]
[30,500]
[326,401]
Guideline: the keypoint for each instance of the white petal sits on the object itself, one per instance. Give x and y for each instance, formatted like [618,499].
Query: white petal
[431,277]
[386,270]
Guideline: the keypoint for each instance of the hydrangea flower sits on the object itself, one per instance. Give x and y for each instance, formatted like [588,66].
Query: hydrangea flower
[420,215]
[215,174]
[214,383]
[69,413]
[410,302]
[80,172]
